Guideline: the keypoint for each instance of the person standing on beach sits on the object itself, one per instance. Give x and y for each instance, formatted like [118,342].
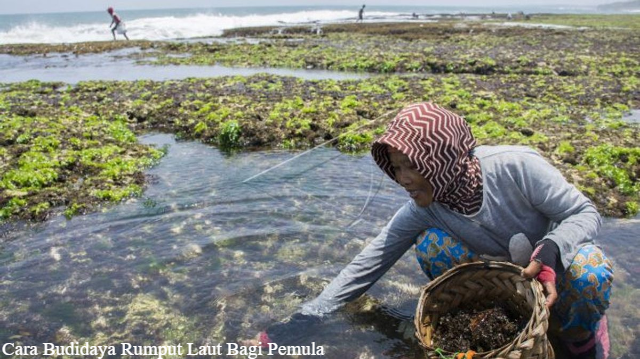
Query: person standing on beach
[361,14]
[119,24]
[469,203]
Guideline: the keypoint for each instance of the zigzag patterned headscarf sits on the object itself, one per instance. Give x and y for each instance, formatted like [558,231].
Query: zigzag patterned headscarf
[440,145]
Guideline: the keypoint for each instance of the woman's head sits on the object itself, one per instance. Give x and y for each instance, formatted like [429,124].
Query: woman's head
[110,10]
[438,144]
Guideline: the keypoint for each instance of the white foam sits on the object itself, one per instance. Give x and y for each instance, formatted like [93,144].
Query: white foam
[164,28]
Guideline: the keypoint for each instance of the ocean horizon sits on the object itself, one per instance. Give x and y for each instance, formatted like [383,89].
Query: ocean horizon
[184,23]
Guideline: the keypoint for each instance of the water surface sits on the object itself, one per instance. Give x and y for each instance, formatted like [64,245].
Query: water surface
[632,117]
[203,257]
[118,65]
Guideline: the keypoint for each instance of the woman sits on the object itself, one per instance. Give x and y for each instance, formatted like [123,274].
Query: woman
[468,202]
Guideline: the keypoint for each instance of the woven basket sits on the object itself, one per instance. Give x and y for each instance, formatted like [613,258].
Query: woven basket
[477,286]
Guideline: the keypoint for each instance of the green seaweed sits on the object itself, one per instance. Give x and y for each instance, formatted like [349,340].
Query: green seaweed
[560,96]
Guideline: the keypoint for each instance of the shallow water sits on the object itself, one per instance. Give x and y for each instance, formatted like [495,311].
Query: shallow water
[117,65]
[632,117]
[203,257]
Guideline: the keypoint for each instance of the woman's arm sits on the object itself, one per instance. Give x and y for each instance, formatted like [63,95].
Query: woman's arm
[374,260]
[577,219]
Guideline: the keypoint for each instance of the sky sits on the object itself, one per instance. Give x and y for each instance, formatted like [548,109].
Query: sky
[45,6]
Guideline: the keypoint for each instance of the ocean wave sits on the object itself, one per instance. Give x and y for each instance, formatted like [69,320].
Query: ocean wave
[169,27]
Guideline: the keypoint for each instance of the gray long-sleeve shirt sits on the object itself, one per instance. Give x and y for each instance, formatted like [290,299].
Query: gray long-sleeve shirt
[522,194]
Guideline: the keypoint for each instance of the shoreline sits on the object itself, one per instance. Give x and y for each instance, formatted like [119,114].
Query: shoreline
[517,18]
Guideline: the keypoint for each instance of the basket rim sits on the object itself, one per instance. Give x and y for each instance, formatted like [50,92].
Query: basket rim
[536,288]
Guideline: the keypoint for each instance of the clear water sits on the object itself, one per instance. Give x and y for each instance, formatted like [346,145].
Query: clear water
[632,117]
[119,66]
[203,257]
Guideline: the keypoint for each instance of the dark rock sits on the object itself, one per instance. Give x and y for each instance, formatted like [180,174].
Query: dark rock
[527,132]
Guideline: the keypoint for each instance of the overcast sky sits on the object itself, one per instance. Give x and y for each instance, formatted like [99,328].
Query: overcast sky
[43,6]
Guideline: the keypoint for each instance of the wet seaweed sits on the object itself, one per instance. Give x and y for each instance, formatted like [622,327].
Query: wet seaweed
[75,147]
[477,330]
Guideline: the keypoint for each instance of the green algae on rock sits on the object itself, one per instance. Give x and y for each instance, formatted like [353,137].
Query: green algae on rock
[74,147]
[61,153]
[440,47]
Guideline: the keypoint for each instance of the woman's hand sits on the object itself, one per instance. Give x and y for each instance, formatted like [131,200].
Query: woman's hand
[261,339]
[547,276]
[543,264]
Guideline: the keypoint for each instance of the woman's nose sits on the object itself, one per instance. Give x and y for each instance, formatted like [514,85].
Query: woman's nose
[403,177]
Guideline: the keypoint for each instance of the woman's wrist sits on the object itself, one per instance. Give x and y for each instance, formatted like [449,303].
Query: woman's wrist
[547,254]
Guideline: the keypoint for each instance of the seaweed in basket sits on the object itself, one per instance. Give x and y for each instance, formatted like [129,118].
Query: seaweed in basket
[477,329]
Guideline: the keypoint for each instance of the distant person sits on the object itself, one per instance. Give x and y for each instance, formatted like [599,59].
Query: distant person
[119,24]
[509,16]
[361,14]
[414,15]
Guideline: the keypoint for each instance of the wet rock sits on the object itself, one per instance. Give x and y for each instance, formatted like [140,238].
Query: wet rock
[26,112]
[191,250]
[570,158]
[527,132]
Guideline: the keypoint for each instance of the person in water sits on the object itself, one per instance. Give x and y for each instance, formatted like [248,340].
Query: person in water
[470,202]
[361,14]
[119,24]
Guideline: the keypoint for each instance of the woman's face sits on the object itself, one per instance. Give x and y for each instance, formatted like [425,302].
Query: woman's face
[408,176]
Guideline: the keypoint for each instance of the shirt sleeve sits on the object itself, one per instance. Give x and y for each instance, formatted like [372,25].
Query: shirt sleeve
[576,218]
[374,260]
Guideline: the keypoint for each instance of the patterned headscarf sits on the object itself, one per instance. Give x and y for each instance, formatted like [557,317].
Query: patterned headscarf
[440,145]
